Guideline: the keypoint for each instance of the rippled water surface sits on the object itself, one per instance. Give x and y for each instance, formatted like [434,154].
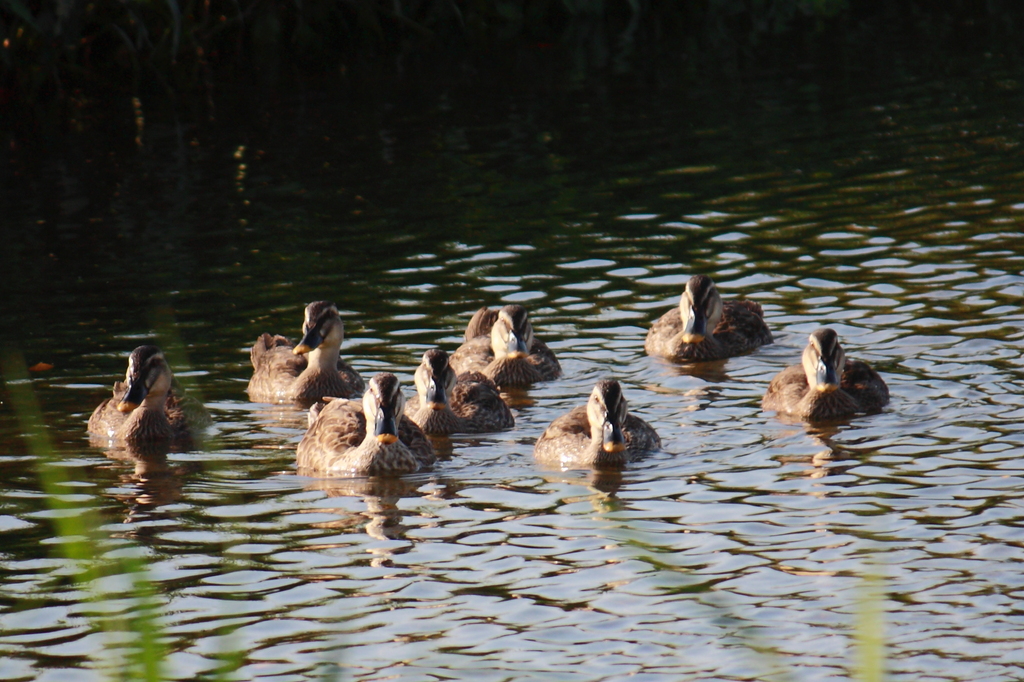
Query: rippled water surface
[891,212]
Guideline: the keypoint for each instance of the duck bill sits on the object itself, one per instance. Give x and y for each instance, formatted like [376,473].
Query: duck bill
[516,347]
[311,340]
[696,327]
[385,430]
[133,397]
[825,379]
[436,398]
[612,438]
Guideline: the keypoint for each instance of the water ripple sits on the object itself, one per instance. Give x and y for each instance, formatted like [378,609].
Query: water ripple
[737,552]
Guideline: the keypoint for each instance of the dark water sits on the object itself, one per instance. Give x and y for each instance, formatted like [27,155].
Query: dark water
[889,208]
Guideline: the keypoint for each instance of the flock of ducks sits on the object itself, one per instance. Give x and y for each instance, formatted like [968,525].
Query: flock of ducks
[357,429]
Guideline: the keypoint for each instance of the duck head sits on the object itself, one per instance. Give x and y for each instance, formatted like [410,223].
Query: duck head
[383,404]
[148,376]
[322,327]
[606,410]
[700,307]
[435,379]
[512,333]
[823,360]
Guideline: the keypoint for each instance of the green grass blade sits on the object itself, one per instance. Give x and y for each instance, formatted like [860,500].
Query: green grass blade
[869,631]
[18,9]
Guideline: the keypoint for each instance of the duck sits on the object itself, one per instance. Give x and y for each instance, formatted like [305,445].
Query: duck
[704,327]
[446,403]
[145,409]
[500,344]
[338,441]
[306,373]
[600,435]
[826,385]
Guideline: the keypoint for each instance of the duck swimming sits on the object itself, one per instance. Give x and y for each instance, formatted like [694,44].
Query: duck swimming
[144,408]
[500,345]
[349,438]
[826,385]
[704,327]
[600,435]
[446,404]
[283,372]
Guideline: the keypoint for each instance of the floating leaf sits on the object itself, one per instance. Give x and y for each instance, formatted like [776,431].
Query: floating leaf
[40,367]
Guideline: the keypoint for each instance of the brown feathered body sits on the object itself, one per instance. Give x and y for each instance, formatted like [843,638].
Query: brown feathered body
[475,406]
[600,435]
[445,403]
[338,441]
[817,390]
[309,371]
[861,390]
[704,327]
[160,416]
[280,376]
[741,330]
[500,344]
[143,424]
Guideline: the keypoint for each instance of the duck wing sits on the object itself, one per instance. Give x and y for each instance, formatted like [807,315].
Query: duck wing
[565,438]
[543,358]
[481,323]
[473,356]
[275,367]
[338,427]
[412,435]
[186,414]
[864,385]
[106,418]
[742,327]
[786,390]
[640,436]
[478,400]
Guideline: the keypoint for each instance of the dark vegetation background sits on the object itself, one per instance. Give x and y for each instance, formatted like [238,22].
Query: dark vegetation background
[67,62]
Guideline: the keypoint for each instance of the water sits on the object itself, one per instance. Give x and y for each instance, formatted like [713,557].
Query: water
[889,209]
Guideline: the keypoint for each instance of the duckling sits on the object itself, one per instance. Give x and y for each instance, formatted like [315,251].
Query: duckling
[309,371]
[602,435]
[500,345]
[706,328]
[446,404]
[826,385]
[144,409]
[338,442]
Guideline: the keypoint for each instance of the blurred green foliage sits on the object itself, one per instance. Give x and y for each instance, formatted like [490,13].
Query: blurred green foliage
[54,49]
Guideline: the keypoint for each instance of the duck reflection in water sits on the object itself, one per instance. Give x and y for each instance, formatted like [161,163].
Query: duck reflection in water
[712,372]
[153,483]
[383,516]
[604,485]
[831,459]
[281,418]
